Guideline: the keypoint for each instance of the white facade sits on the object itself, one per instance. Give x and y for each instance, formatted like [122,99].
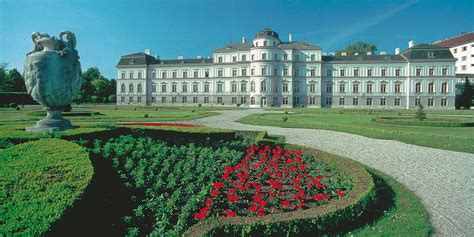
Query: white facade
[462,48]
[270,73]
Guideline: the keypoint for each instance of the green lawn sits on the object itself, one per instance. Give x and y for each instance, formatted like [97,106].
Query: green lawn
[360,122]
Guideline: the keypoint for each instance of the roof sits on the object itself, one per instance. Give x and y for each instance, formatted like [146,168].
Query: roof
[458,40]
[363,58]
[427,51]
[141,59]
[300,45]
[267,33]
[184,61]
[234,48]
[297,45]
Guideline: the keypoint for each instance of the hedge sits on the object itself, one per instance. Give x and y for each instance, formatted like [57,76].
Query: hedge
[16,97]
[322,220]
[432,122]
[40,180]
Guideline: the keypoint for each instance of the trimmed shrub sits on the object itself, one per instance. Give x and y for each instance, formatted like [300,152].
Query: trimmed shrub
[284,119]
[40,180]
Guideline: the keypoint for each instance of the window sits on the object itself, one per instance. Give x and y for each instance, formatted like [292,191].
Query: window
[206,88]
[355,88]
[369,72]
[275,57]
[431,87]
[130,88]
[464,48]
[206,100]
[123,75]
[263,86]
[342,72]
[397,87]
[185,99]
[174,88]
[163,88]
[418,87]
[185,74]
[139,88]
[252,100]
[195,88]
[234,59]
[275,86]
[206,74]
[234,72]
[163,99]
[252,72]
[430,102]
[312,72]
[431,71]
[445,71]
[285,57]
[463,67]
[130,99]
[244,72]
[384,72]
[220,87]
[312,87]
[184,88]
[417,102]
[329,73]
[220,59]
[243,100]
[418,72]
[328,101]
[383,101]
[252,86]
[264,43]
[139,75]
[342,101]
[131,76]
[369,101]
[153,99]
[355,101]
[175,74]
[219,100]
[444,102]
[296,72]
[296,87]
[264,71]
[397,72]
[196,73]
[285,100]
[275,72]
[122,88]
[312,100]
[244,57]
[243,86]
[313,57]
[444,87]
[396,102]
[163,74]
[285,86]
[253,57]
[285,72]
[220,73]
[383,88]
[234,100]
[329,88]
[356,72]
[369,88]
[122,99]
[342,87]
[264,56]
[234,87]
[195,99]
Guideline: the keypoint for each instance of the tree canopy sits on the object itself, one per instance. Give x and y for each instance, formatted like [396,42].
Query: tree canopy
[360,47]
[11,80]
[96,88]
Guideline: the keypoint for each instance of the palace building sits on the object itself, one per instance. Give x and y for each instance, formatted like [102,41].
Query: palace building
[268,72]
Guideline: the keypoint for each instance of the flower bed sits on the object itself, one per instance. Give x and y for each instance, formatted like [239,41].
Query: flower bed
[270,180]
[159,124]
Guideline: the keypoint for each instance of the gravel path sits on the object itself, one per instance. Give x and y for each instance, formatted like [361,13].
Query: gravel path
[443,180]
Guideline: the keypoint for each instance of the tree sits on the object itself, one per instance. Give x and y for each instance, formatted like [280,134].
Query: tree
[360,47]
[17,84]
[467,94]
[3,77]
[87,89]
[420,112]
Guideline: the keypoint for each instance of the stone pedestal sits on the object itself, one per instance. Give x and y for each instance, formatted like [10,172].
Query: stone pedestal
[52,122]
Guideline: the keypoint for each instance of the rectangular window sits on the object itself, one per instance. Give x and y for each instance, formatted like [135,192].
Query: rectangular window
[185,99]
[431,71]
[185,74]
[195,99]
[196,73]
[153,88]
[444,102]
[418,72]
[220,59]
[174,88]
[445,71]
[342,72]
[234,100]
[297,57]
[220,87]
[397,88]
[206,74]
[285,100]
[195,88]
[328,101]
[264,56]
[430,102]
[184,88]
[139,75]
[312,72]
[275,57]
[173,99]
[122,99]
[234,59]
[397,72]
[355,88]
[252,72]
[234,72]
[123,75]
[342,88]
[163,99]
[243,86]
[356,72]
[285,57]
[355,101]
[243,100]
[175,74]
[312,87]
[417,101]
[328,88]
[244,72]
[219,100]
[312,100]
[384,72]
[397,102]
[206,100]
[285,86]
[342,101]
[220,73]
[253,57]
[163,88]
[206,88]
[130,99]
[153,99]
[264,71]
[369,88]
[383,88]
[285,72]
[244,57]
[313,57]
[369,101]
[275,72]
[297,72]
[131,75]
[234,87]
[464,48]
[463,67]
[369,72]
[383,101]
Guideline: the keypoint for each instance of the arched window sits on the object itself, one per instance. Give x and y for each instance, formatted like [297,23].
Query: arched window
[252,100]
[431,87]
[130,88]
[418,87]
[444,87]
[252,86]
[139,88]
[122,88]
[263,85]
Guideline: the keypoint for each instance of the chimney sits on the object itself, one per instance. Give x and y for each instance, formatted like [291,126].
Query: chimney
[290,38]
[244,41]
[369,53]
[180,57]
[397,51]
[148,51]
[383,53]
[343,54]
[157,57]
[199,57]
[411,43]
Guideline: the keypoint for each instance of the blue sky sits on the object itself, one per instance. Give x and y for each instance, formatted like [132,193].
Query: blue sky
[107,29]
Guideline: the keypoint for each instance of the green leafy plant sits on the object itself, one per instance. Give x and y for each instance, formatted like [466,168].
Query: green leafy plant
[420,112]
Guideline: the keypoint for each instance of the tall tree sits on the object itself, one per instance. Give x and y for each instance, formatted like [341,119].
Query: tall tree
[87,90]
[467,94]
[360,47]
[4,83]
[17,84]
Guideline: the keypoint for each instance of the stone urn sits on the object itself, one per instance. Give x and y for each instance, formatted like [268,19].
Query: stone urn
[53,77]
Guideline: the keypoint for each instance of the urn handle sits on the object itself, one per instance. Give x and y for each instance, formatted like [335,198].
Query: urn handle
[70,37]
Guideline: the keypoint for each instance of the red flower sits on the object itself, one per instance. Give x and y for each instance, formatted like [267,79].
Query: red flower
[199,215]
[261,213]
[232,198]
[230,213]
[218,185]
[208,201]
[214,192]
[340,193]
[300,205]
[285,203]
[319,197]
[319,177]
[253,208]
[263,203]
[272,194]
[232,190]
